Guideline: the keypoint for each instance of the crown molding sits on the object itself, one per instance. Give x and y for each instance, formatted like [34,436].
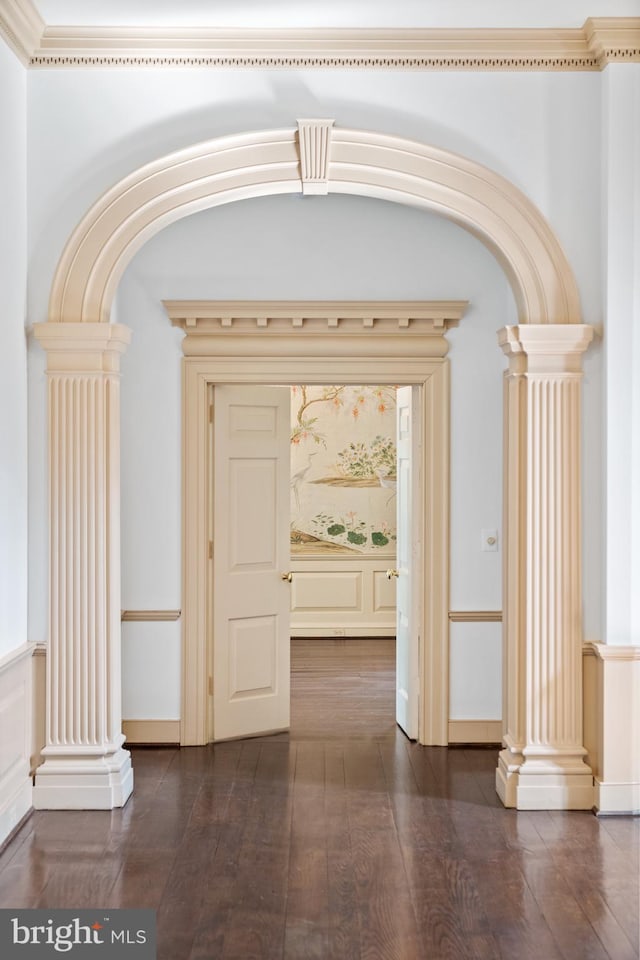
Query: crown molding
[613,39]
[22,28]
[600,41]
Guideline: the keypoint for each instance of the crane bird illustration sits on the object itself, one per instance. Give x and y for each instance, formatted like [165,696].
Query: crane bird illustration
[389,483]
[299,476]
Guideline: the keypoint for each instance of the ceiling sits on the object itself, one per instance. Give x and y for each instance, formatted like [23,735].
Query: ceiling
[332,13]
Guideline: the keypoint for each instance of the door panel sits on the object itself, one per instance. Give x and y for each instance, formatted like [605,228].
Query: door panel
[250,554]
[408,554]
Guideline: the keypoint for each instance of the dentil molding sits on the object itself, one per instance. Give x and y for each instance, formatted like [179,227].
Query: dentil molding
[275,327]
[601,40]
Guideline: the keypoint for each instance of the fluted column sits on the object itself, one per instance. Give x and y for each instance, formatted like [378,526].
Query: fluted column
[542,765]
[84,765]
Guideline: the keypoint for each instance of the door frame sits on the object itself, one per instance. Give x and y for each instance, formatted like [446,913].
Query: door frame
[315,343]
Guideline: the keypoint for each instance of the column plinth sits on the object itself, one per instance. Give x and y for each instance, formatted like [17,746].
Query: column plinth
[542,765]
[85,765]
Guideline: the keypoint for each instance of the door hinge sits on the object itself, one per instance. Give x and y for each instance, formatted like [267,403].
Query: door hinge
[210,549]
[210,413]
[210,686]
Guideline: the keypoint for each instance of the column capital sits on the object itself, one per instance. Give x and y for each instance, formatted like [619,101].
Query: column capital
[83,347]
[545,348]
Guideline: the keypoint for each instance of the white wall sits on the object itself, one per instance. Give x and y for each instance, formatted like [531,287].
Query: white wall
[13,364]
[88,129]
[313,248]
[621,257]
[15,654]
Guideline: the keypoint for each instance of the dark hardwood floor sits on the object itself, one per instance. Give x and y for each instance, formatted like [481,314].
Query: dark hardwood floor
[339,841]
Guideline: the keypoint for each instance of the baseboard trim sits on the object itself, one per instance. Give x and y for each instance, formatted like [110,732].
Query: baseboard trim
[15,810]
[475,731]
[19,825]
[145,732]
[616,799]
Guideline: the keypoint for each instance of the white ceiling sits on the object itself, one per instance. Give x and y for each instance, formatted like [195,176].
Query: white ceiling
[332,13]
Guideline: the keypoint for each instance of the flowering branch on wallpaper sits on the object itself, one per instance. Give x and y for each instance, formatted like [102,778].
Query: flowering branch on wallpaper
[305,427]
[343,472]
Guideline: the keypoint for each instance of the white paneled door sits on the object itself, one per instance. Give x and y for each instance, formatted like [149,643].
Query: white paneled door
[251,560]
[408,594]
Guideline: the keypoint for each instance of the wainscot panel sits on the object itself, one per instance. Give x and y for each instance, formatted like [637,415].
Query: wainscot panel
[342,597]
[15,738]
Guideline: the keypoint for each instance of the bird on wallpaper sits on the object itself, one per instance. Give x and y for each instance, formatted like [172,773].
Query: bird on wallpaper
[389,483]
[298,477]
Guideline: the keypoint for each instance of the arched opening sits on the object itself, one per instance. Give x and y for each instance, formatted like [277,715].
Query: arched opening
[542,764]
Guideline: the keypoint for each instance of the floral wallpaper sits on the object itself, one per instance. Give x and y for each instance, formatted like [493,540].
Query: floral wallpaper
[343,470]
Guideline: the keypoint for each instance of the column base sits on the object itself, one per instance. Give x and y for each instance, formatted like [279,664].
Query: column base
[554,780]
[78,782]
[544,784]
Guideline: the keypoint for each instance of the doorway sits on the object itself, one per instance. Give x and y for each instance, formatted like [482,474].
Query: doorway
[252,586]
[343,510]
[270,344]
[343,551]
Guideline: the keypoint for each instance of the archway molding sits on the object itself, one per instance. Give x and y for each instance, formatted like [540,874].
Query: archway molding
[315,157]
[542,765]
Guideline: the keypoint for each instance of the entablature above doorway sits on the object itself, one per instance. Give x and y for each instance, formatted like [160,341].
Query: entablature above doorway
[394,328]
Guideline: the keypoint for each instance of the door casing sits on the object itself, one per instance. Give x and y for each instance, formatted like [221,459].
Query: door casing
[397,354]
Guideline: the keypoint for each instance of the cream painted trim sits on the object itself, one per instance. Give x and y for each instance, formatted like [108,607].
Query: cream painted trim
[367,317]
[616,799]
[613,39]
[475,731]
[268,163]
[600,41]
[315,151]
[23,652]
[609,651]
[16,723]
[272,327]
[151,731]
[475,616]
[313,360]
[22,28]
[149,615]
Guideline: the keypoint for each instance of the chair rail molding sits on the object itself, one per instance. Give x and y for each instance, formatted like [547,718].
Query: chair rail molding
[148,616]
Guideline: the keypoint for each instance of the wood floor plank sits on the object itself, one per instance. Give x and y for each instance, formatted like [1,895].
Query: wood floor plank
[343,922]
[307,916]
